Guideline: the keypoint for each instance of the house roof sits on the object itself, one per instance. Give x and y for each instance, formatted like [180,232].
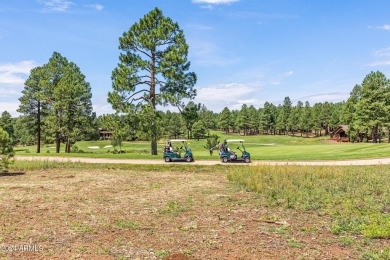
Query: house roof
[342,128]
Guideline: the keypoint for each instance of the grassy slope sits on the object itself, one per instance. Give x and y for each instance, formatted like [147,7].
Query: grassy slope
[265,147]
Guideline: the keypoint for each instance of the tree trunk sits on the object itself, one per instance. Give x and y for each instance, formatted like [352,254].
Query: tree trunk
[68,142]
[67,147]
[39,128]
[153,99]
[374,134]
[153,146]
[58,142]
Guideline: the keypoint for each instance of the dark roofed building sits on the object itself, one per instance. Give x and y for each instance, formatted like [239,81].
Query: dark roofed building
[340,134]
[104,134]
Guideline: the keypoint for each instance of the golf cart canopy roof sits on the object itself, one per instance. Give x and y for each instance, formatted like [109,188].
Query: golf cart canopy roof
[235,141]
[177,140]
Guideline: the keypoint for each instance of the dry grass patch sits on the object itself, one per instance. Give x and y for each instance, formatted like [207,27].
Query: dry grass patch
[94,212]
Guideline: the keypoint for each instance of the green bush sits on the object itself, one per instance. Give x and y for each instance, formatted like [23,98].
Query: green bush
[74,149]
[6,151]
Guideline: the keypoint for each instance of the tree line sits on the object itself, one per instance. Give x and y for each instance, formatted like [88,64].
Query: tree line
[366,112]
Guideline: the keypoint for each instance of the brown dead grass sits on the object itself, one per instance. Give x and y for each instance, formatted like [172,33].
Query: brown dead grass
[120,214]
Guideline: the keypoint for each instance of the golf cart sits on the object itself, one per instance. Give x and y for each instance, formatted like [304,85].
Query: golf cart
[172,155]
[227,155]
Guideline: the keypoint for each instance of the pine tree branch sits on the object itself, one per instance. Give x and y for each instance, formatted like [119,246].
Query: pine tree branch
[135,93]
[143,52]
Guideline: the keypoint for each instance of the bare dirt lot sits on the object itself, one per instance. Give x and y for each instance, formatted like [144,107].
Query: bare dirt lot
[131,214]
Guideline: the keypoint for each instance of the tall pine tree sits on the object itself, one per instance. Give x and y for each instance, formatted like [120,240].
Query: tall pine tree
[153,69]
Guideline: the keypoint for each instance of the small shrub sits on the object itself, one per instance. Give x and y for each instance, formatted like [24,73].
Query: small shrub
[27,151]
[47,151]
[74,149]
[6,151]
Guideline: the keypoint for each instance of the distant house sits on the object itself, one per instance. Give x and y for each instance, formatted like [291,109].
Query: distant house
[104,134]
[340,134]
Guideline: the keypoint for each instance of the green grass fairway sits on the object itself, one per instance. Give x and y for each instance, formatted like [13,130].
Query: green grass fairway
[264,147]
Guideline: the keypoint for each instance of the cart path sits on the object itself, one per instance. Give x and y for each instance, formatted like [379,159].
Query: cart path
[377,161]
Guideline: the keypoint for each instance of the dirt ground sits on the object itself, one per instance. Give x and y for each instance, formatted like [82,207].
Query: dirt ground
[122,214]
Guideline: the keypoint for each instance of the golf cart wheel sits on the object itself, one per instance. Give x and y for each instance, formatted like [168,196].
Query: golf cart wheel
[189,159]
[167,159]
[225,159]
[247,159]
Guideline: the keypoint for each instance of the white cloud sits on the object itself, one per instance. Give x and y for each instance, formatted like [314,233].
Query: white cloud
[385,52]
[289,73]
[101,106]
[23,67]
[231,95]
[98,7]
[248,102]
[325,97]
[381,53]
[15,73]
[9,91]
[11,107]
[12,78]
[379,63]
[385,27]
[210,7]
[214,1]
[6,78]
[56,5]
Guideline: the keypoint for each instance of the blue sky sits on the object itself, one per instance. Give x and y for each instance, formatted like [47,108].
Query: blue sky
[243,51]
